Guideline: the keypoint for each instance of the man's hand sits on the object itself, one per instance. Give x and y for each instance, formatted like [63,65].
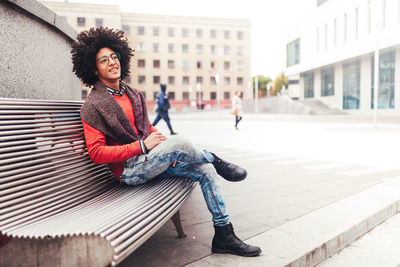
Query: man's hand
[153,140]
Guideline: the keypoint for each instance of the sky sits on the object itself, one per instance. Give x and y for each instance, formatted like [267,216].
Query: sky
[269,18]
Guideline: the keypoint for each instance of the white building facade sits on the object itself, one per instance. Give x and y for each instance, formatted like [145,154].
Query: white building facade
[200,59]
[330,54]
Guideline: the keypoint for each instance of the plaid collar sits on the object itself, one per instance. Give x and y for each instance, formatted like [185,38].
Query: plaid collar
[117,92]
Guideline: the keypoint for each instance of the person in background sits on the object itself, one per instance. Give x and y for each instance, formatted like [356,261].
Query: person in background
[162,109]
[237,108]
[118,133]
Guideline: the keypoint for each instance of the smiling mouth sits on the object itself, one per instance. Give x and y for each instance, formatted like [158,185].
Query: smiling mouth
[113,69]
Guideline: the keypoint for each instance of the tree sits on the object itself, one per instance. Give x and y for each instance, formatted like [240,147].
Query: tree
[262,84]
[280,81]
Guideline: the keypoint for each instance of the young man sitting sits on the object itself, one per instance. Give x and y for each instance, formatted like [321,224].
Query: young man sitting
[118,132]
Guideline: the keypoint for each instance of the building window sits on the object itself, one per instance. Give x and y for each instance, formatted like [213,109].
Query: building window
[227,65]
[185,32]
[199,33]
[227,95]
[156,79]
[171,64]
[156,31]
[198,64]
[156,47]
[156,63]
[227,50]
[240,50]
[213,33]
[155,95]
[240,65]
[171,79]
[140,30]
[171,95]
[185,48]
[386,79]
[309,84]
[99,22]
[185,80]
[293,53]
[328,81]
[127,79]
[240,35]
[126,29]
[171,32]
[84,94]
[351,85]
[185,95]
[213,49]
[171,48]
[212,65]
[239,80]
[227,80]
[81,21]
[199,49]
[213,95]
[144,94]
[142,79]
[185,64]
[141,63]
[199,80]
[140,47]
[213,81]
[227,34]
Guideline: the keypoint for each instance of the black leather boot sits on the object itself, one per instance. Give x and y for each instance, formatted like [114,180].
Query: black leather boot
[229,171]
[226,242]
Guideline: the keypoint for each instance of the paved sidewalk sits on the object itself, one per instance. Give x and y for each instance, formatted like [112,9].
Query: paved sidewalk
[380,247]
[278,190]
[295,169]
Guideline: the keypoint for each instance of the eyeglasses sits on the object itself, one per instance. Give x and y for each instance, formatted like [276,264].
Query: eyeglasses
[106,59]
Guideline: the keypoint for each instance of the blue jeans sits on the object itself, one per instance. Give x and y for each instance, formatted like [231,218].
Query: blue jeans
[193,164]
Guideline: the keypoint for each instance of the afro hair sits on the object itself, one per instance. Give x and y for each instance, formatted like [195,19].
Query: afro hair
[89,43]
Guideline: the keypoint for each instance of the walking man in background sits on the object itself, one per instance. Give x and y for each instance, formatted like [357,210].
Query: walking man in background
[162,108]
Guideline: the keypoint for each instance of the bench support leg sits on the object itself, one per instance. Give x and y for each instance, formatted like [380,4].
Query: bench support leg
[176,219]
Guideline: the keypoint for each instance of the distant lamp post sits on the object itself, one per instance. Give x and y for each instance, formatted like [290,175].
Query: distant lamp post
[198,86]
[218,92]
[256,94]
[376,63]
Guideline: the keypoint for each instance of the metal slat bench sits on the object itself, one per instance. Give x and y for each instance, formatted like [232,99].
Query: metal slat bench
[61,209]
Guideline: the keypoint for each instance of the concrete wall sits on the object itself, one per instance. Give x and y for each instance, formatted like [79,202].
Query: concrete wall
[35,53]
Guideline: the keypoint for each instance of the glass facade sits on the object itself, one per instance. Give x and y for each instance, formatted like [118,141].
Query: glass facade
[351,85]
[328,81]
[293,53]
[386,80]
[308,84]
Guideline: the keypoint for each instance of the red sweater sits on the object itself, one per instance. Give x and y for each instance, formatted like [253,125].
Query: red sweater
[110,151]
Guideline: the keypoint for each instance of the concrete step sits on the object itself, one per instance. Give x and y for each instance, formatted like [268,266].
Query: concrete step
[380,247]
[311,239]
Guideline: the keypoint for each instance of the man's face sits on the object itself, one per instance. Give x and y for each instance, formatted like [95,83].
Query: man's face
[108,65]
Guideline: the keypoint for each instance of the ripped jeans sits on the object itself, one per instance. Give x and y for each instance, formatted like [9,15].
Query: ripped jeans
[193,164]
